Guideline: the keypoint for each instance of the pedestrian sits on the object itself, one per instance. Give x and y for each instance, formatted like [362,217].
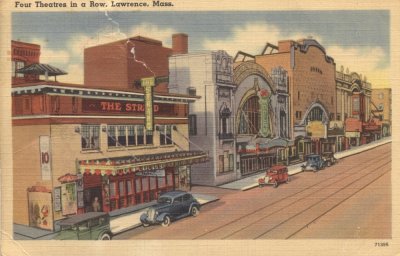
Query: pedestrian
[96,204]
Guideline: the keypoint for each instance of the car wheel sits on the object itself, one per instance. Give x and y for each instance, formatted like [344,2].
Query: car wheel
[166,221]
[329,164]
[288,179]
[105,237]
[195,211]
[260,185]
[275,184]
[146,224]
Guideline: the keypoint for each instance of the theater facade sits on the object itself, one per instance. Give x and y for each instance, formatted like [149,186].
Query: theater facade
[73,144]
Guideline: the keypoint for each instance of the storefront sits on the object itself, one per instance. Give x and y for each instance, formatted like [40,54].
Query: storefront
[117,183]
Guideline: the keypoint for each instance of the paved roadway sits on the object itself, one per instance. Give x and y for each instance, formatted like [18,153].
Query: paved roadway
[349,200]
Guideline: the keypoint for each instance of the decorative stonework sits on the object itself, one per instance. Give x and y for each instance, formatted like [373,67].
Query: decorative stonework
[247,69]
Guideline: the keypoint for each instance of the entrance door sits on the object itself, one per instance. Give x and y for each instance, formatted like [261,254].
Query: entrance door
[89,198]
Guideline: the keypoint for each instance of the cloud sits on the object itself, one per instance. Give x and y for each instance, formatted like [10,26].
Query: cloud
[368,61]
[154,32]
[51,56]
[252,37]
[74,76]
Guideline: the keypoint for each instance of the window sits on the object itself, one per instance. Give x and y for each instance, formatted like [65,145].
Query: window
[231,160]
[192,125]
[250,117]
[128,135]
[298,114]
[90,138]
[165,134]
[15,66]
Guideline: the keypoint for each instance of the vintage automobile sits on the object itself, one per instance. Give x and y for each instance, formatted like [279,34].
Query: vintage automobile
[314,163]
[171,206]
[274,175]
[329,158]
[87,226]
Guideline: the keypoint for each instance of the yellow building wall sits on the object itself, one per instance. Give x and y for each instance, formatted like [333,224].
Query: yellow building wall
[27,172]
[65,152]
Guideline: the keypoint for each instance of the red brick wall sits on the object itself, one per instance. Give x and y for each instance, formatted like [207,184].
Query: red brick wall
[112,65]
[29,54]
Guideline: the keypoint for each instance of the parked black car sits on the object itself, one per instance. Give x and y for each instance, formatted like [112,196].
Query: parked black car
[171,206]
[314,163]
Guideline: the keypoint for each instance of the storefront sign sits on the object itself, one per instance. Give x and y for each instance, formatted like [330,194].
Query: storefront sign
[117,106]
[158,173]
[45,157]
[147,84]
[264,100]
[316,129]
[40,213]
[353,134]
[69,198]
[57,199]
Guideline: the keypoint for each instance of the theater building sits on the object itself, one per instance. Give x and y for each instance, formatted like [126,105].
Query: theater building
[73,144]
[312,90]
[354,109]
[381,107]
[242,117]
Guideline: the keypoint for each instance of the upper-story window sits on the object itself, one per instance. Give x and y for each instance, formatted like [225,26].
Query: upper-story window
[128,135]
[192,125]
[165,134]
[250,117]
[90,137]
[15,66]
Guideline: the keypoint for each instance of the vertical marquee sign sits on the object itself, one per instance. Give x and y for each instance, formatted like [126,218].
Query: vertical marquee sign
[45,157]
[147,84]
[264,100]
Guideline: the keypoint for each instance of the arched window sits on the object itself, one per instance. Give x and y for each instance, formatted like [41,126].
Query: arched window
[250,117]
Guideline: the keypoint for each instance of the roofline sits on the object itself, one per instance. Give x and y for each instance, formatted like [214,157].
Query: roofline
[41,86]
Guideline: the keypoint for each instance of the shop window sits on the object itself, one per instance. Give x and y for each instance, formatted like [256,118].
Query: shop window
[221,163]
[131,135]
[113,192]
[161,182]
[231,162]
[138,185]
[192,125]
[170,179]
[165,134]
[90,138]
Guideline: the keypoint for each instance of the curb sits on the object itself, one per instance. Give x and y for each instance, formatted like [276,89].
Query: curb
[356,151]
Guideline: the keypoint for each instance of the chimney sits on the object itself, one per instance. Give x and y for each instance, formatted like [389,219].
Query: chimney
[179,43]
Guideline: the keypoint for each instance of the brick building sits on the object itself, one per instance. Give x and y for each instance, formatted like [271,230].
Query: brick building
[22,55]
[114,65]
[73,143]
[381,107]
[312,90]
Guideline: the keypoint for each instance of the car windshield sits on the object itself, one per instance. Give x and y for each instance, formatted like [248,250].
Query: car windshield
[164,200]
[311,160]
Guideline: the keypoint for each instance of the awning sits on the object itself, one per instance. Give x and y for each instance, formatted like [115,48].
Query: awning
[129,164]
[68,178]
[41,69]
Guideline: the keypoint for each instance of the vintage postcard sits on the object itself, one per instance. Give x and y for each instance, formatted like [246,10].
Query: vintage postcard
[198,127]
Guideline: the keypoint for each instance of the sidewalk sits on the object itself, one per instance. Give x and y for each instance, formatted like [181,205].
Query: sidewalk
[120,220]
[252,181]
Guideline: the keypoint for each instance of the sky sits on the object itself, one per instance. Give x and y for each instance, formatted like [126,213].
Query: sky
[358,40]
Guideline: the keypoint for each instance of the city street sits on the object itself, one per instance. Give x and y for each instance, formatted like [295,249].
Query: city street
[351,199]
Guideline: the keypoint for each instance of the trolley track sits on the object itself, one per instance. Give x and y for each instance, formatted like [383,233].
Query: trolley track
[338,175]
